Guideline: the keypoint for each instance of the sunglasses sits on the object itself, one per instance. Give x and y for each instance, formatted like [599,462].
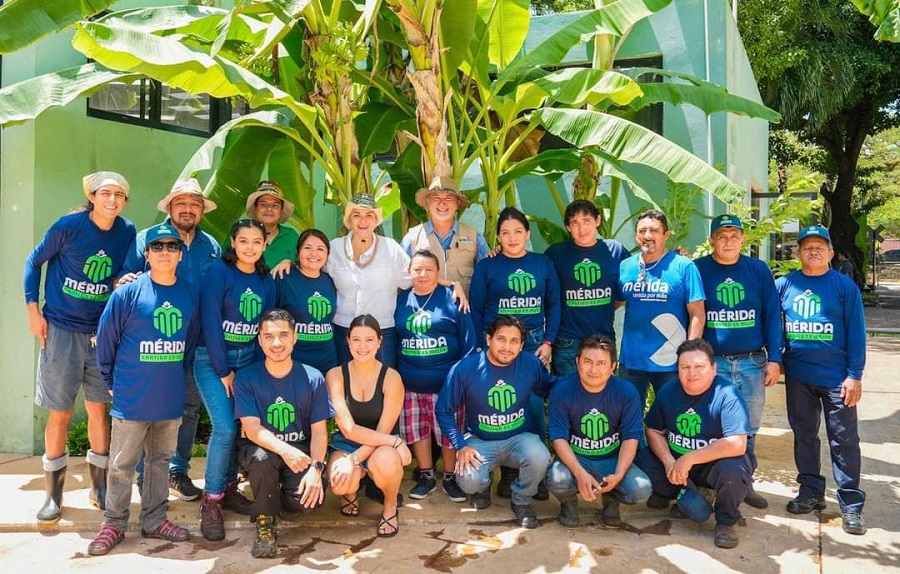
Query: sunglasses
[170,246]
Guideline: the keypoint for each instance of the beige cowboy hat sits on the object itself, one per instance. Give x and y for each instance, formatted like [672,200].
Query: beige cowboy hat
[362,202]
[94,181]
[185,186]
[273,189]
[441,185]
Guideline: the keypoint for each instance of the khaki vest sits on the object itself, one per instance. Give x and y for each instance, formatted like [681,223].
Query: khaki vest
[458,262]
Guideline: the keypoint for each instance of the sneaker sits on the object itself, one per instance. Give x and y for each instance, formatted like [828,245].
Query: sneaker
[425,485]
[212,522]
[568,511]
[168,531]
[853,523]
[235,501]
[108,538]
[610,516]
[480,500]
[658,501]
[806,504]
[725,536]
[452,490]
[755,499]
[266,543]
[525,515]
[181,486]
[543,492]
[507,476]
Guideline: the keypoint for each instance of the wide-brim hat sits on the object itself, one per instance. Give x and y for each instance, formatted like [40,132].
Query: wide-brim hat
[94,181]
[273,189]
[441,185]
[362,201]
[185,186]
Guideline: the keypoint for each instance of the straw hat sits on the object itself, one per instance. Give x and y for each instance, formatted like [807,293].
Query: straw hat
[185,186]
[363,202]
[273,189]
[441,185]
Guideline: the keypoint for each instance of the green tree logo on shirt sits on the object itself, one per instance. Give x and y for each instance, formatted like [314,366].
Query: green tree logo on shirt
[318,306]
[730,292]
[521,282]
[807,304]
[502,396]
[98,267]
[250,305]
[587,272]
[689,423]
[419,322]
[280,414]
[594,424]
[167,319]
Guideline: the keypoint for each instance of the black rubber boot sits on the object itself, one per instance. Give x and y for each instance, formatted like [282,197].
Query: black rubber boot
[55,482]
[507,476]
[97,496]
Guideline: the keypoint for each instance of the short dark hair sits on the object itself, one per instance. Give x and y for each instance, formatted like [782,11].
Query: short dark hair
[654,214]
[512,213]
[602,342]
[365,321]
[277,314]
[507,321]
[701,345]
[580,206]
[428,255]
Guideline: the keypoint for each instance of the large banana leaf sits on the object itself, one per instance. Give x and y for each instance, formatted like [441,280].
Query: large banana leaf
[882,13]
[708,99]
[579,86]
[23,22]
[457,28]
[27,100]
[506,27]
[376,126]
[287,169]
[631,143]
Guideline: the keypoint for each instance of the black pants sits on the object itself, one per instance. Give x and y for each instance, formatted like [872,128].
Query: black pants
[273,483]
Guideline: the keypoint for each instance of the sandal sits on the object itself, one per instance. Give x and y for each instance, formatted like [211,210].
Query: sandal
[350,507]
[390,529]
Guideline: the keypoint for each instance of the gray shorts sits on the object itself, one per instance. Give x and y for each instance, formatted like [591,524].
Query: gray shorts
[68,361]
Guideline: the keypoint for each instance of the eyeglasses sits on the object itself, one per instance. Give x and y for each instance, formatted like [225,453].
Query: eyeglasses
[170,246]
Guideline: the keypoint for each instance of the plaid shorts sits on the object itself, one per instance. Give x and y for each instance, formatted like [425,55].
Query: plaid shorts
[417,420]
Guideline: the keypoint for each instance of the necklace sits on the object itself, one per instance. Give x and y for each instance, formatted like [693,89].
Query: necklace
[643,269]
[366,257]
[420,309]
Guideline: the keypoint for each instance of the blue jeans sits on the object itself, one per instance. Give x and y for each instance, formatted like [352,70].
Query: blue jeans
[805,404]
[525,451]
[634,487]
[221,467]
[643,379]
[564,353]
[387,354]
[748,374]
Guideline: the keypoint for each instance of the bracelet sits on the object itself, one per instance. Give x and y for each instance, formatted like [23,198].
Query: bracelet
[354,459]
[546,342]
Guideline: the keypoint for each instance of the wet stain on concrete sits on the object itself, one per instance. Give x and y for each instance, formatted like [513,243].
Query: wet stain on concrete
[661,528]
[161,548]
[293,554]
[444,560]
[203,544]
[603,551]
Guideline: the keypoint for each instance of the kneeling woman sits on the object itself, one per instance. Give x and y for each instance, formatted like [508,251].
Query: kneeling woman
[367,396]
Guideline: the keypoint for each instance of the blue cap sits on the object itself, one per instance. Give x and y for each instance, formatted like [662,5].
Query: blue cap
[721,221]
[162,231]
[814,231]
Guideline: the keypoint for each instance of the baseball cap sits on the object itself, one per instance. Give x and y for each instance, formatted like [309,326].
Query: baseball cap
[162,231]
[814,231]
[725,220]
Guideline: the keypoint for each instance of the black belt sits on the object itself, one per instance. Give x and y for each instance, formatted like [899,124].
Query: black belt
[736,356]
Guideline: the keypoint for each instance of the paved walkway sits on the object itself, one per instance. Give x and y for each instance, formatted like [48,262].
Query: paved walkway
[439,536]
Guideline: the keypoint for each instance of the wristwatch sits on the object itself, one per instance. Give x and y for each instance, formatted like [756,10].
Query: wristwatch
[319,466]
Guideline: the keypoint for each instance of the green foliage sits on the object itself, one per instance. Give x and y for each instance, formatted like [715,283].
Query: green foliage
[77,442]
[560,6]
[681,209]
[882,13]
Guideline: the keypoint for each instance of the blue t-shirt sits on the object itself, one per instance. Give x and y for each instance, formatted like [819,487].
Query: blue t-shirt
[495,398]
[195,258]
[524,286]
[824,328]
[656,317]
[595,424]
[83,262]
[147,332]
[432,334]
[312,302]
[230,308]
[587,279]
[743,313]
[289,406]
[693,422]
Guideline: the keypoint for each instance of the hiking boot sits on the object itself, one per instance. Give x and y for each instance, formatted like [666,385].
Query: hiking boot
[181,486]
[266,543]
[568,510]
[108,538]
[452,490]
[235,501]
[507,476]
[212,521]
[525,515]
[543,493]
[610,515]
[806,504]
[425,485]
[853,523]
[168,531]
[658,501]
[725,536]
[755,499]
[480,500]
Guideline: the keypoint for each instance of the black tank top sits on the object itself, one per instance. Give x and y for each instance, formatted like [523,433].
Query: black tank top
[367,413]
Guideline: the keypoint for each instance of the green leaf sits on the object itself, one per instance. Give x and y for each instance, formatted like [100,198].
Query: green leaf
[23,22]
[629,142]
[286,168]
[551,232]
[885,14]
[507,25]
[376,126]
[406,172]
[197,20]
[457,29]
[27,100]
[579,86]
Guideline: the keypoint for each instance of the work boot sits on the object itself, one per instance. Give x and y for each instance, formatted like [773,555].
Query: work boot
[212,522]
[725,536]
[507,476]
[480,500]
[266,543]
[543,493]
[805,504]
[610,516]
[235,501]
[55,481]
[97,468]
[525,515]
[853,523]
[568,510]
[755,499]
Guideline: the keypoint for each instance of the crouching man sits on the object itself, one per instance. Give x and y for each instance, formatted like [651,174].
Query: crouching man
[697,429]
[595,426]
[283,408]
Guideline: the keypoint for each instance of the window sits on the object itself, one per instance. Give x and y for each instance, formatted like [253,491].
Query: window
[150,103]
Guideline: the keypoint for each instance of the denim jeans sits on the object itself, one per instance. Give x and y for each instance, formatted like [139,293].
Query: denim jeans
[129,440]
[525,451]
[748,374]
[805,404]
[181,460]
[221,467]
[387,354]
[643,379]
[564,353]
[634,487]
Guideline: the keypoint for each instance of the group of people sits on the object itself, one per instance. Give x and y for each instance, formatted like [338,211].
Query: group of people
[434,340]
